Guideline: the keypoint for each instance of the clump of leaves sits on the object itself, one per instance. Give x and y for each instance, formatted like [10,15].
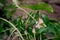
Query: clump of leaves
[27,29]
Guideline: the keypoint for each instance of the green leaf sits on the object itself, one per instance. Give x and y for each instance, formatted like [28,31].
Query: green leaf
[41,6]
[29,30]
[9,10]
[9,14]
[20,24]
[1,29]
[50,25]
[29,18]
[45,19]
[37,15]
[39,31]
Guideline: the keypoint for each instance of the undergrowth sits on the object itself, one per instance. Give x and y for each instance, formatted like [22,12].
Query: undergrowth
[33,27]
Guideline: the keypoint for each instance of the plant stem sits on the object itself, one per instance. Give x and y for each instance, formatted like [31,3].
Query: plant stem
[13,27]
[34,37]
[15,2]
[40,37]
[6,30]
[10,35]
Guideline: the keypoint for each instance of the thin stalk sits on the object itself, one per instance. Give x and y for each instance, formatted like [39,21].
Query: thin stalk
[6,30]
[10,35]
[15,2]
[30,37]
[34,36]
[13,27]
[40,37]
[27,37]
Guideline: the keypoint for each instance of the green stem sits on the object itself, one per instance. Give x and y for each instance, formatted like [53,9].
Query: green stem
[6,29]
[13,27]
[10,35]
[40,37]
[15,2]
[34,36]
